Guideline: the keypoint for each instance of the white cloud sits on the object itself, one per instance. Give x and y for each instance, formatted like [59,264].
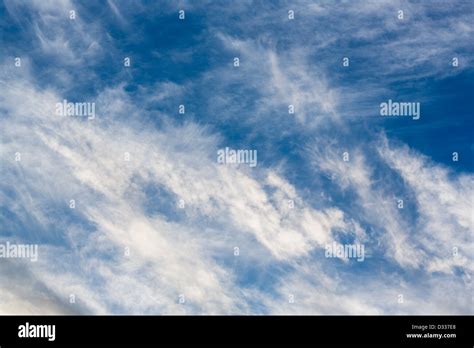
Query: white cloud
[83,253]
[83,160]
[445,207]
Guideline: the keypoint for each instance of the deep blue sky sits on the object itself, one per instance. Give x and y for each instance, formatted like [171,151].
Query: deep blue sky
[189,250]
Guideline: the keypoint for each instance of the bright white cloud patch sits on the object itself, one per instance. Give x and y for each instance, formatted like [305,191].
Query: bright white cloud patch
[133,213]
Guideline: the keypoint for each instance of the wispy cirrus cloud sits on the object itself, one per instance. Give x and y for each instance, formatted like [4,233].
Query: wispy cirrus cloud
[159,226]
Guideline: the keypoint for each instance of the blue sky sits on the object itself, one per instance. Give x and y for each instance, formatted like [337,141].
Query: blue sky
[164,224]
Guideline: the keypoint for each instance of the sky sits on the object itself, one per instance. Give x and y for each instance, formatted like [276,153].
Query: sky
[133,212]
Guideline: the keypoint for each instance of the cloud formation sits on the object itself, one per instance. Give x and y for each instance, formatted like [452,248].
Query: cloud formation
[158,226]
